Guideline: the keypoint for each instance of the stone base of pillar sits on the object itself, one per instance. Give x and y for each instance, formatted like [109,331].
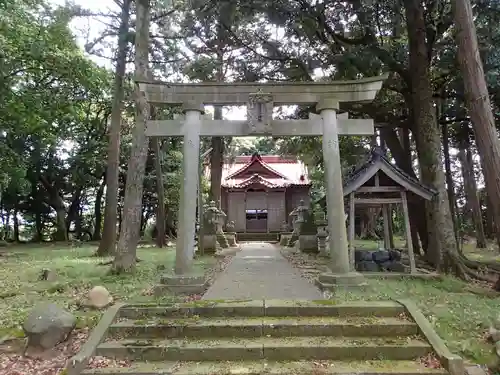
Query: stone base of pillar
[181,285]
[308,243]
[285,238]
[333,281]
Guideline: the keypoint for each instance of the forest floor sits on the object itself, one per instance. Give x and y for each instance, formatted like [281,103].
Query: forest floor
[461,314]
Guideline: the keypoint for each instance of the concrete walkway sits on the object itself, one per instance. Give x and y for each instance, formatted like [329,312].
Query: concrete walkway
[259,271]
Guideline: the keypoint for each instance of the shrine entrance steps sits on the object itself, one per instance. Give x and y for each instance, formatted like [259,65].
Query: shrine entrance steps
[257,237]
[271,337]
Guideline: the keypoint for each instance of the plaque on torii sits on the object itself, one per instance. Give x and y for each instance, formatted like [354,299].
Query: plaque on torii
[260,113]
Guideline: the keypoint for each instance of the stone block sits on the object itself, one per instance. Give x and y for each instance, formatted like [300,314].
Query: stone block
[367,266]
[361,255]
[379,261]
[381,256]
[181,284]
[210,243]
[332,281]
[395,255]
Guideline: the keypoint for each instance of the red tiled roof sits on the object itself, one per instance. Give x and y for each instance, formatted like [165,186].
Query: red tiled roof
[285,171]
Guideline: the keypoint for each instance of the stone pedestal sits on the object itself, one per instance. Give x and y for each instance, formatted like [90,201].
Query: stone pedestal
[308,243]
[219,225]
[231,234]
[333,281]
[231,239]
[209,243]
[296,228]
[322,234]
[322,243]
[181,285]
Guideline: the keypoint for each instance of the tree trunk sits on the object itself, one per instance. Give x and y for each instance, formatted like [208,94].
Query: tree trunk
[125,256]
[15,220]
[74,208]
[216,162]
[489,219]
[108,241]
[160,188]
[56,202]
[470,187]
[449,177]
[478,103]
[96,236]
[62,231]
[442,239]
[402,155]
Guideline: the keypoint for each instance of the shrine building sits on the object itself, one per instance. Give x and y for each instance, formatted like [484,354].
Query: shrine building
[259,192]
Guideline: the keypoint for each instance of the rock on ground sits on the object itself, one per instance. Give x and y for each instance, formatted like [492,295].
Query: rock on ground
[48,325]
[99,298]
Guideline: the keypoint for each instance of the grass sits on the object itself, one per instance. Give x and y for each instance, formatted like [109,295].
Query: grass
[459,316]
[77,272]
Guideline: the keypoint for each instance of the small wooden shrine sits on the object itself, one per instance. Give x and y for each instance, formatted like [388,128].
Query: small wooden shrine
[378,182]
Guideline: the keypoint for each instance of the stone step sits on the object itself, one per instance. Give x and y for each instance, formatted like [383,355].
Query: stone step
[262,367]
[253,308]
[277,349]
[257,237]
[265,326]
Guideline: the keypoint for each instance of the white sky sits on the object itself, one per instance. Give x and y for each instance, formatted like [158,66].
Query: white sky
[87,29]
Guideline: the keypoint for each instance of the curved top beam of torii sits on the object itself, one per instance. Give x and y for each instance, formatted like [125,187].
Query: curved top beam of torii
[283,93]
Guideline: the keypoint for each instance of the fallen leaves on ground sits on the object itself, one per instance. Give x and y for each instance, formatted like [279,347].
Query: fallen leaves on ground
[51,362]
[430,361]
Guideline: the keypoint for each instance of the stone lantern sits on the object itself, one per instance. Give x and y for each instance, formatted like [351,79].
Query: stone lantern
[321,225]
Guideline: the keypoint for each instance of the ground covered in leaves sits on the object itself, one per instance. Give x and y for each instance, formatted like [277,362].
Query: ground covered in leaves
[460,312]
[77,271]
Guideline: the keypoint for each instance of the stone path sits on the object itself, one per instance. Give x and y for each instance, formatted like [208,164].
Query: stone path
[259,271]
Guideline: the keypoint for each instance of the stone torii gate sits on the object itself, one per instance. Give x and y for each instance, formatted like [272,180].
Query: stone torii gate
[260,98]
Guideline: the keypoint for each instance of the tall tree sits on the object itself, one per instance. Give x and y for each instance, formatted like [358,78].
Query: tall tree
[125,256]
[441,234]
[108,240]
[478,103]
[470,187]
